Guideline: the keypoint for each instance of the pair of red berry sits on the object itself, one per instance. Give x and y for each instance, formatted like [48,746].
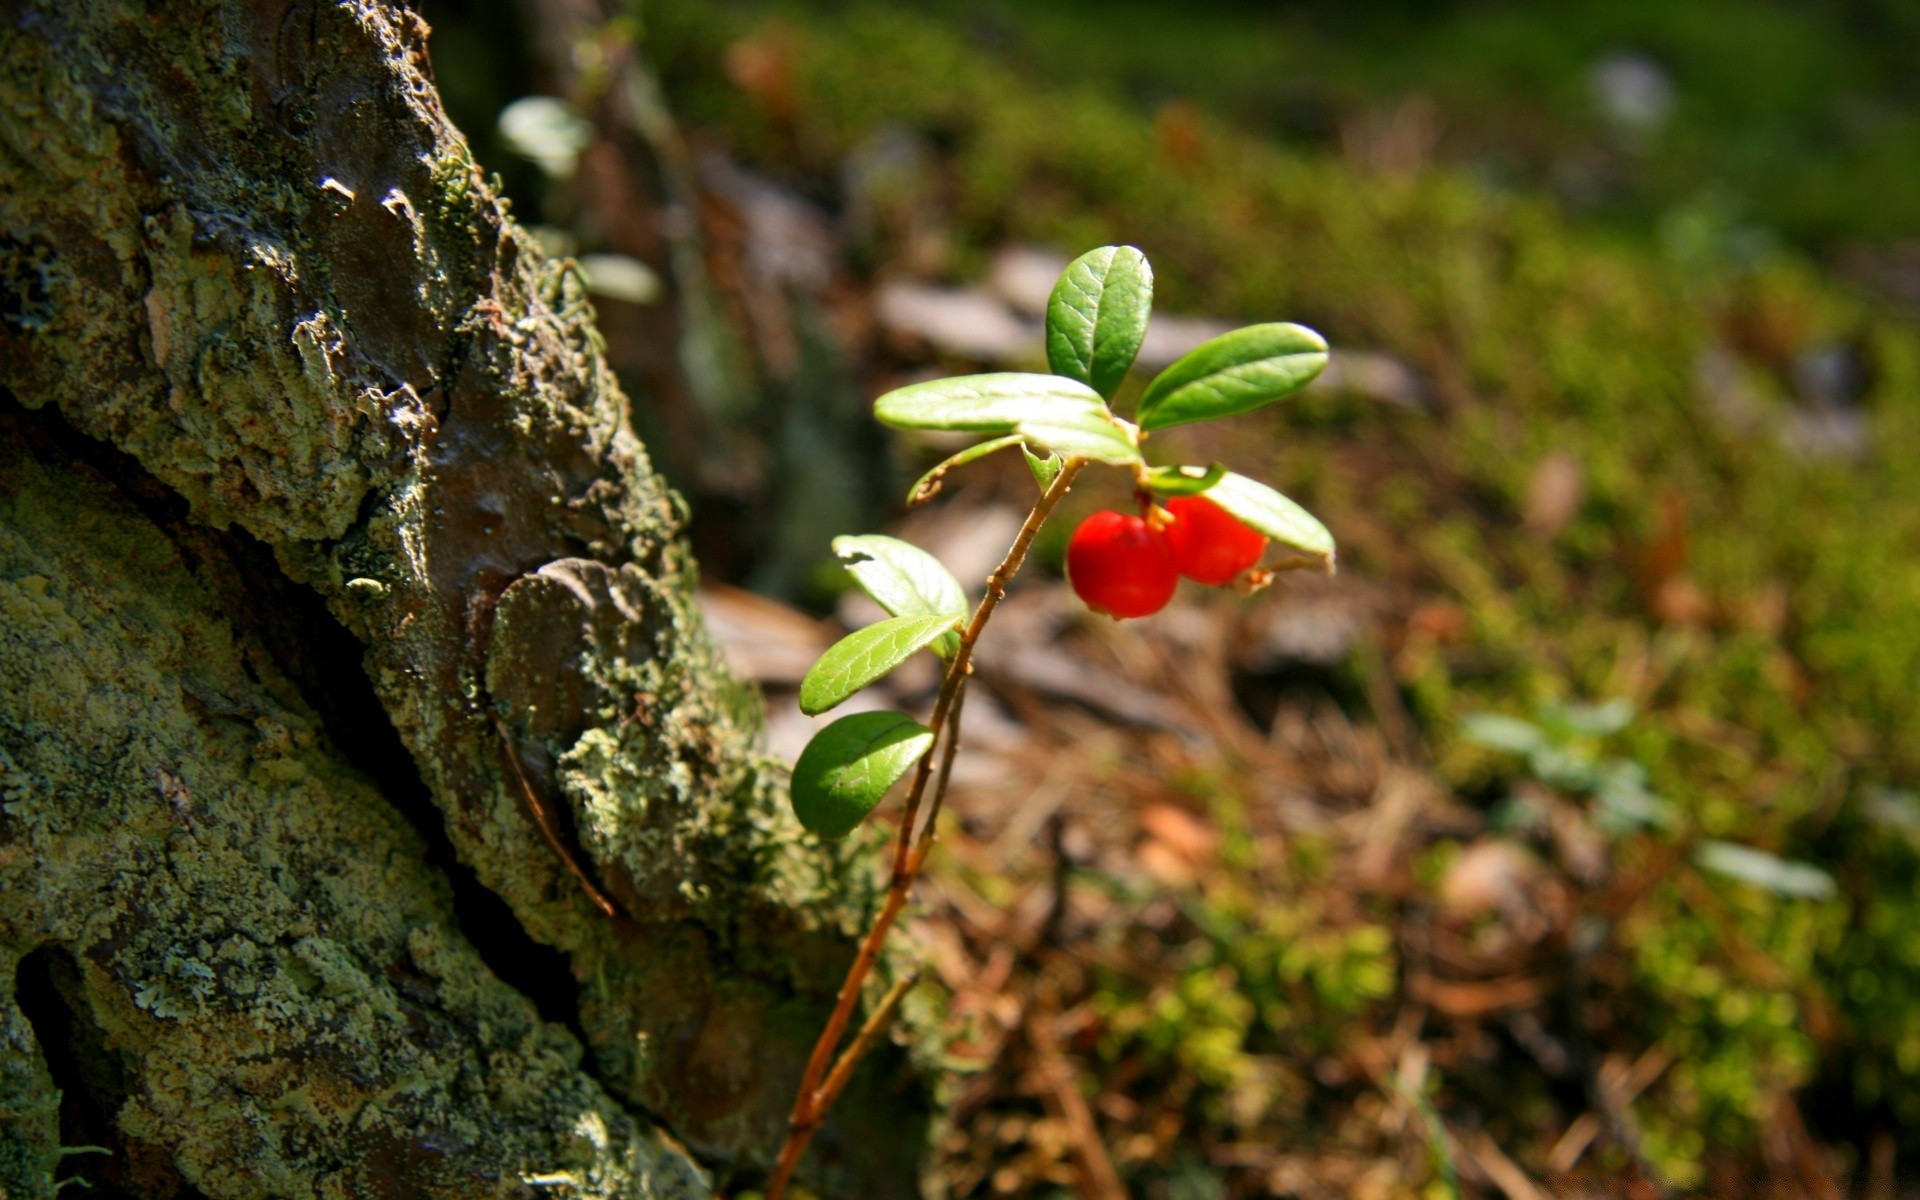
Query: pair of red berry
[1128,566]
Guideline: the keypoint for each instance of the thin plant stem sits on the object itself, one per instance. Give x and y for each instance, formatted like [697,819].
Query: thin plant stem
[882,1013]
[812,1101]
[925,841]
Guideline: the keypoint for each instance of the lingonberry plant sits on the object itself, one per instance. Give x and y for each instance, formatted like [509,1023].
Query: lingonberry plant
[1213,528]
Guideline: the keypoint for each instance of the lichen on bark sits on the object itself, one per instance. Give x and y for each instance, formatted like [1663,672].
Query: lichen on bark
[240,244]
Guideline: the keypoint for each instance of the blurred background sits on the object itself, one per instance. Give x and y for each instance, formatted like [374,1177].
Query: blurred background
[1564,843]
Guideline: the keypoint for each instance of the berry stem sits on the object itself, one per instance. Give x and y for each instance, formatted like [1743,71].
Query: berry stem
[815,1097]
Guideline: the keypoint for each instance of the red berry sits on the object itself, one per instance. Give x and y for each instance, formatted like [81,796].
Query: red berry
[1121,566]
[1210,545]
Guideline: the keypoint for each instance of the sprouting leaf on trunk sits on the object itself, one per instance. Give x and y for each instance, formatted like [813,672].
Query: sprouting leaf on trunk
[1097,316]
[905,580]
[928,485]
[1272,514]
[1184,481]
[1234,373]
[848,766]
[865,655]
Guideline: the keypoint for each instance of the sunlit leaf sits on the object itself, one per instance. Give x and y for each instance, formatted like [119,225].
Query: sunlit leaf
[1593,720]
[1090,435]
[1184,481]
[865,655]
[905,580]
[1045,470]
[1097,316]
[848,766]
[1266,510]
[1769,872]
[1625,802]
[1234,373]
[928,485]
[1499,732]
[1047,410]
[996,403]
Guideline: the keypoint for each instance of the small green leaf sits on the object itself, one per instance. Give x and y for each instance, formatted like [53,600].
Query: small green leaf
[1091,435]
[848,766]
[928,485]
[865,655]
[1097,316]
[1769,872]
[1058,413]
[1497,731]
[997,403]
[1045,470]
[905,580]
[1184,481]
[1234,373]
[1268,511]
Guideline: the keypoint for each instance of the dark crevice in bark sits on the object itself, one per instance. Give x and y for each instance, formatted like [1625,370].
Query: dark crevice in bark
[324,660]
[92,1083]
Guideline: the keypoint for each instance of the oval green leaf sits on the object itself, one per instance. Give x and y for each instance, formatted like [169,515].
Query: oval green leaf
[1095,435]
[1234,373]
[848,766]
[1097,316]
[1268,511]
[865,655]
[905,580]
[996,403]
[1184,481]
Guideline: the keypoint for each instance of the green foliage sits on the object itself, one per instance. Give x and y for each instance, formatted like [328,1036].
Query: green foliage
[1097,317]
[1266,510]
[1060,414]
[866,655]
[1183,481]
[1096,321]
[904,580]
[1535,334]
[1237,372]
[848,767]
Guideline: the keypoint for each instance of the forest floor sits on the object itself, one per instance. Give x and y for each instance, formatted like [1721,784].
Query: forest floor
[1563,843]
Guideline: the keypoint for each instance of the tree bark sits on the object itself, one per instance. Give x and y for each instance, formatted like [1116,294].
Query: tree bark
[349,669]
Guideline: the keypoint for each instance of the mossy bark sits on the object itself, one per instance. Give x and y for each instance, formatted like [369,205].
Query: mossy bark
[270,341]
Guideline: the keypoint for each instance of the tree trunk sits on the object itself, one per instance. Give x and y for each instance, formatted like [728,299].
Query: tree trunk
[374,816]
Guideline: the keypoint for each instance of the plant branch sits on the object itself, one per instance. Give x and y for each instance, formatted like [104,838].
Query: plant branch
[850,1058]
[813,1100]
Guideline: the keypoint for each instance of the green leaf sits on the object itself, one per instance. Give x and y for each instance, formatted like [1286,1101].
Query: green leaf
[1045,470]
[865,655]
[849,765]
[997,403]
[1268,511]
[1091,435]
[1234,373]
[928,485]
[1184,481]
[1497,731]
[1058,413]
[905,580]
[1097,316]
[1769,872]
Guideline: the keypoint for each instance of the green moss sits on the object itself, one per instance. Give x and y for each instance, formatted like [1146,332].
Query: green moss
[1663,367]
[293,1011]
